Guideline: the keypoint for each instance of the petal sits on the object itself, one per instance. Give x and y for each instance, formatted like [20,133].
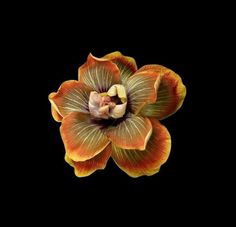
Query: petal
[132,133]
[118,111]
[86,168]
[99,74]
[72,96]
[82,138]
[95,108]
[127,65]
[119,90]
[147,162]
[170,94]
[141,89]
[56,116]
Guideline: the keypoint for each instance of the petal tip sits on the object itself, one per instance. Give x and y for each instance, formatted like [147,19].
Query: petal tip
[113,55]
[92,58]
[76,157]
[51,96]
[82,174]
[68,160]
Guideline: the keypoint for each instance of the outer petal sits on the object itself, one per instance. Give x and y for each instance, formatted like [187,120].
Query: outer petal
[99,74]
[147,162]
[132,133]
[142,89]
[170,94]
[127,65]
[82,138]
[56,116]
[72,96]
[86,168]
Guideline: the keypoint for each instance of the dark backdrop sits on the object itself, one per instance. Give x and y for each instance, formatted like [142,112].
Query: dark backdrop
[45,46]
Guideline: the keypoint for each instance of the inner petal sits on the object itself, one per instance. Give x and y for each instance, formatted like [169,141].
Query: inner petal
[110,104]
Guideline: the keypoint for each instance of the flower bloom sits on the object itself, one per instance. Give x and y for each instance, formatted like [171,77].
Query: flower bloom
[113,110]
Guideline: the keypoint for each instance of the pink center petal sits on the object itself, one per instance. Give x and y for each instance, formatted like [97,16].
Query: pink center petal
[102,105]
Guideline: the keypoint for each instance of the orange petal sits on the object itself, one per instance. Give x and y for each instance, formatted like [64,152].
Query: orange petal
[72,96]
[132,133]
[142,89]
[99,74]
[82,138]
[56,116]
[170,94]
[86,168]
[127,65]
[147,162]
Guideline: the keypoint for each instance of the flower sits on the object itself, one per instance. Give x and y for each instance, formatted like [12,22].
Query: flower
[113,110]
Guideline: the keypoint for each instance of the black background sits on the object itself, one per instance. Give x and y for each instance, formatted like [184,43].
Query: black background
[45,45]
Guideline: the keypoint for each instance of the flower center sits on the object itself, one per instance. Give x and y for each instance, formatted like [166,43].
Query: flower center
[110,104]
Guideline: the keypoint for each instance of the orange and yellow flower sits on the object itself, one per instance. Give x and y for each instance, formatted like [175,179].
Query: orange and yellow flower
[113,110]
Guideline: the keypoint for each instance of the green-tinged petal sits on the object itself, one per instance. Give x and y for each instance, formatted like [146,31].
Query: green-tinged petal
[170,94]
[127,65]
[86,168]
[147,162]
[82,138]
[99,74]
[72,96]
[131,133]
[142,89]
